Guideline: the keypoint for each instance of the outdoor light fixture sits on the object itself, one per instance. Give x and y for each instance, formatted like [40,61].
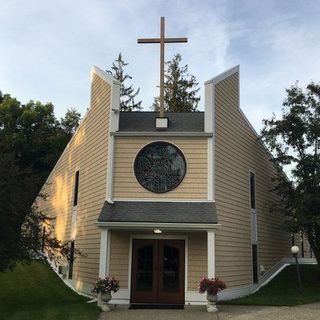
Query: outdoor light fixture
[295,250]
[157,231]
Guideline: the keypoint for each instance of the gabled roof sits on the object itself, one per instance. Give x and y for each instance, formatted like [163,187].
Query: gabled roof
[146,121]
[159,212]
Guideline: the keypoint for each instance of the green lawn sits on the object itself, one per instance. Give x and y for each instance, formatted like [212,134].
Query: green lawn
[283,289]
[34,292]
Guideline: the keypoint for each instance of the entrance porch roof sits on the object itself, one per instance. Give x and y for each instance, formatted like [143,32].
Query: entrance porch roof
[202,213]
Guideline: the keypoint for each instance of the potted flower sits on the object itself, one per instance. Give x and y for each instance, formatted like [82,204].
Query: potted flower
[104,287]
[212,287]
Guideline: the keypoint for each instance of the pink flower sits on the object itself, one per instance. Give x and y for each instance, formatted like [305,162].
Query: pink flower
[106,285]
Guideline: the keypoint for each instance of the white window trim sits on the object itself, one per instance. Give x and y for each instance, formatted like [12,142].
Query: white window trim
[104,255]
[211,254]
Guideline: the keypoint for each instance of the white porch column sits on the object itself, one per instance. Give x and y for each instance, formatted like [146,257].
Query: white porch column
[211,253]
[103,252]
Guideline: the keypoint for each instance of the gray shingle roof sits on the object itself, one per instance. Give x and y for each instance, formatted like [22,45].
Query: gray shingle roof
[146,121]
[161,212]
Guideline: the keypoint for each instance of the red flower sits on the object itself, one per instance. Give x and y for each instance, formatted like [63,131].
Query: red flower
[211,286]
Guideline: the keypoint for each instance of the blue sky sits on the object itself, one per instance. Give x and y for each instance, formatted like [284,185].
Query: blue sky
[47,47]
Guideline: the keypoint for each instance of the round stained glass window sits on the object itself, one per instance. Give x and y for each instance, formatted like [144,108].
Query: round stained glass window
[160,167]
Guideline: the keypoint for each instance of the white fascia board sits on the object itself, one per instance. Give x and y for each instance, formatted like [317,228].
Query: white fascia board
[223,75]
[110,170]
[103,75]
[209,106]
[161,200]
[113,126]
[114,108]
[153,225]
[160,134]
[211,171]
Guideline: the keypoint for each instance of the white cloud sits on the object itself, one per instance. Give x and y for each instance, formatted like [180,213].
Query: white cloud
[48,47]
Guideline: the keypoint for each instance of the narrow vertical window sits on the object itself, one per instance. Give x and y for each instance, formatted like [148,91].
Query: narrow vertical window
[255,263]
[302,246]
[254,230]
[76,189]
[43,238]
[252,190]
[71,259]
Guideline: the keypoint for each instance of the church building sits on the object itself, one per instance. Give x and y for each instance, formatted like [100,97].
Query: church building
[161,202]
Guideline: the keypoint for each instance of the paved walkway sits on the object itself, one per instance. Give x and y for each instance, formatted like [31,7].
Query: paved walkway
[304,312]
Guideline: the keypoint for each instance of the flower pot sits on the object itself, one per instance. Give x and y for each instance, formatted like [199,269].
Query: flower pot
[212,300]
[105,298]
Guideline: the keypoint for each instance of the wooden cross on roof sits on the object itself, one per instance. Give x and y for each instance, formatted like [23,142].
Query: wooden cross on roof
[162,40]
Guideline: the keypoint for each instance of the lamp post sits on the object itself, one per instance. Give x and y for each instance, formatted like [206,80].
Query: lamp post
[295,250]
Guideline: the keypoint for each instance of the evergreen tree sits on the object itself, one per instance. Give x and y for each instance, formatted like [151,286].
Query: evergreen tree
[180,88]
[127,93]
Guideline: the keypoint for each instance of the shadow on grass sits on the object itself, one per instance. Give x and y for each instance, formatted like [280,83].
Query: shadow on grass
[35,292]
[283,290]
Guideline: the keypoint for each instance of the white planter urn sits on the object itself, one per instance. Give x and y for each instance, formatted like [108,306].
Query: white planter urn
[104,299]
[212,300]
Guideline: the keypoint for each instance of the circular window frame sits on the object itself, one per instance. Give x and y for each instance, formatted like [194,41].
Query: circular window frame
[142,150]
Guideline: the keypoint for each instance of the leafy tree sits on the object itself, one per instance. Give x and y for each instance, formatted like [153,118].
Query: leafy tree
[31,141]
[71,121]
[36,136]
[16,195]
[127,93]
[67,127]
[180,88]
[295,142]
[21,226]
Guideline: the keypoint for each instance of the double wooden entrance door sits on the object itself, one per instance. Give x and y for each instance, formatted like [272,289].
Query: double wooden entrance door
[157,274]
